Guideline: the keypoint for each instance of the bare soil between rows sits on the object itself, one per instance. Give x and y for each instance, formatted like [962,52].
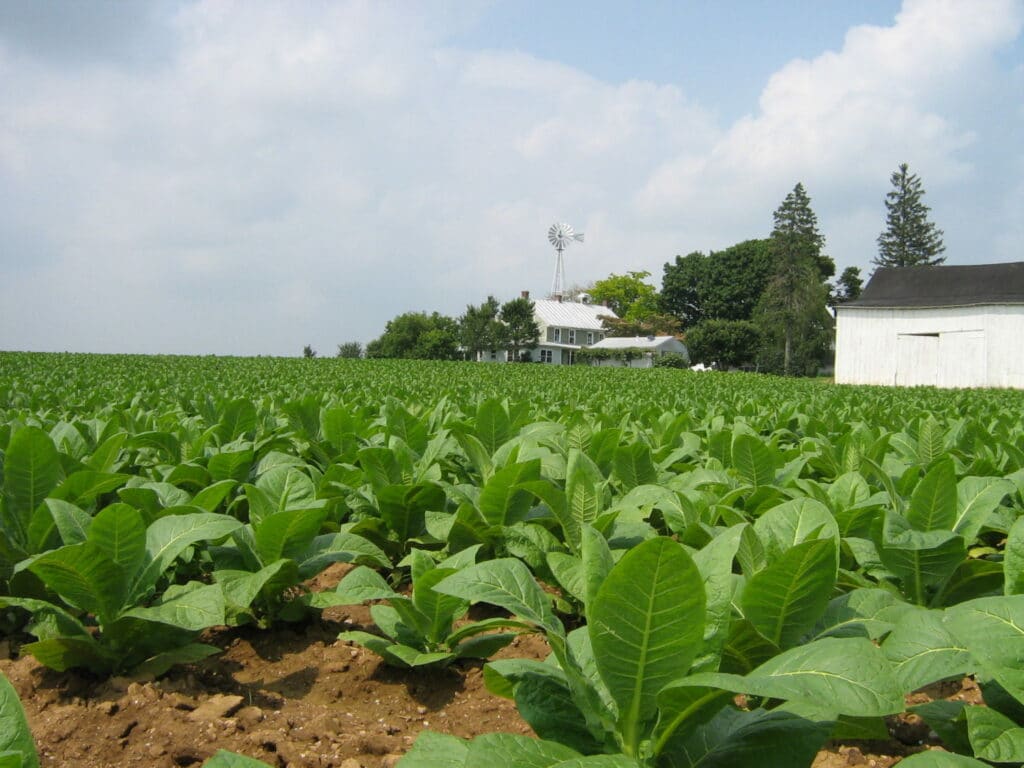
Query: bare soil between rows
[298,697]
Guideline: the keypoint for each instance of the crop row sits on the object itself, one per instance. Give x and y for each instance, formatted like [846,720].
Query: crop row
[821,550]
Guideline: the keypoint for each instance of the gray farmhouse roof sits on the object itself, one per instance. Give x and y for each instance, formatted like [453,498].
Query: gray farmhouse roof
[638,342]
[571,314]
[957,286]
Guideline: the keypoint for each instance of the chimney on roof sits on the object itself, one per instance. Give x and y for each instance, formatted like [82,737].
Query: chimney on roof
[524,294]
[558,298]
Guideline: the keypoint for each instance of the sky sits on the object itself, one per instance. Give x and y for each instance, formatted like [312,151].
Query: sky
[243,178]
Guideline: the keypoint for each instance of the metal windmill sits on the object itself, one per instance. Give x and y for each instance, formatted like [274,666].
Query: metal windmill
[561,235]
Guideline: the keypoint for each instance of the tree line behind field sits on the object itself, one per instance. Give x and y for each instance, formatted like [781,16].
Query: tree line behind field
[762,303]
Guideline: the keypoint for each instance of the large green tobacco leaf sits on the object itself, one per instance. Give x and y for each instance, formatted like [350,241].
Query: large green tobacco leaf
[507,583]
[1013,559]
[936,759]
[224,759]
[547,705]
[847,676]
[922,560]
[583,488]
[633,465]
[403,507]
[785,599]
[715,563]
[84,486]
[31,469]
[231,465]
[793,522]
[581,576]
[439,609]
[646,626]
[119,532]
[191,607]
[341,547]
[502,502]
[436,750]
[977,498]
[922,651]
[994,736]
[238,419]
[15,735]
[63,653]
[946,718]
[166,445]
[493,428]
[168,537]
[381,466]
[105,457]
[241,588]
[862,612]
[931,440]
[508,750]
[753,460]
[286,533]
[934,501]
[84,577]
[288,488]
[776,739]
[992,629]
[72,522]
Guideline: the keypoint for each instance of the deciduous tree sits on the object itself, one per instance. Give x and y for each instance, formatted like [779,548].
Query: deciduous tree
[521,328]
[480,328]
[417,335]
[730,343]
[724,285]
[627,295]
[350,349]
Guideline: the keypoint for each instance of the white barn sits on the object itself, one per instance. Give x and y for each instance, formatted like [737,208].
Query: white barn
[956,326]
[646,347]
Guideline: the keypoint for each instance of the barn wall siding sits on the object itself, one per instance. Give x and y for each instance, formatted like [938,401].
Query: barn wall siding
[948,347]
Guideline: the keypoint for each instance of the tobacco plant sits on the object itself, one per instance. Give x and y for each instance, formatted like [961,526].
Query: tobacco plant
[101,612]
[424,628]
[639,686]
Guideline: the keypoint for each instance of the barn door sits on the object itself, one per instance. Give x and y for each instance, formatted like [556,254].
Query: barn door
[917,359]
[963,362]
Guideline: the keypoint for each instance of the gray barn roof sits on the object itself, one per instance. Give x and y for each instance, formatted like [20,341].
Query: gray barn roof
[958,286]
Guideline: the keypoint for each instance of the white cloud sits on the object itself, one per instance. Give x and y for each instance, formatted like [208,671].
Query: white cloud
[845,119]
[290,173]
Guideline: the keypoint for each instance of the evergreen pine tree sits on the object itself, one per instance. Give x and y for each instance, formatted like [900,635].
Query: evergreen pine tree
[792,308]
[909,239]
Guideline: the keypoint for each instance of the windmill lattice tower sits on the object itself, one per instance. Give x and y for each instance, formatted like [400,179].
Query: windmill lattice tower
[560,236]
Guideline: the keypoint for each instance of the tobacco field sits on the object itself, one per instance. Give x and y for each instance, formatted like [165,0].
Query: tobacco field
[712,569]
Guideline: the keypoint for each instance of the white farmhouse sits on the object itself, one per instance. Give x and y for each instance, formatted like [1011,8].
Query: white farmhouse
[565,327]
[646,349]
[957,326]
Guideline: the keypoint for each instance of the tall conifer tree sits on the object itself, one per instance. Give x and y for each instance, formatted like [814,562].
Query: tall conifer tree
[792,307]
[909,239]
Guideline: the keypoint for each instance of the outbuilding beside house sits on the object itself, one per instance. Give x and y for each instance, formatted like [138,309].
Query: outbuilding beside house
[637,351]
[945,326]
